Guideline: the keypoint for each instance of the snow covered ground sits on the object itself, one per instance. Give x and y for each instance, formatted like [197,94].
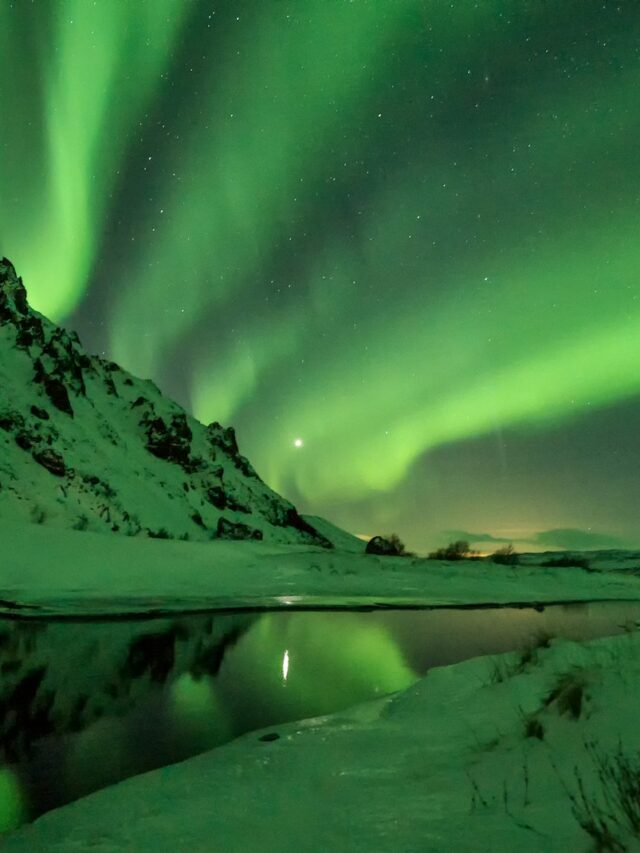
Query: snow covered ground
[51,570]
[476,756]
[482,755]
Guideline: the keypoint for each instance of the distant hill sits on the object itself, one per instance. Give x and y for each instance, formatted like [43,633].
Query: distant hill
[339,538]
[86,445]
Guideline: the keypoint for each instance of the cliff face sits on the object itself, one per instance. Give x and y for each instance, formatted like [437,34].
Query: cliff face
[85,444]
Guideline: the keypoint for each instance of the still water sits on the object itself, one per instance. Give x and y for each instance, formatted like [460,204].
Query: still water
[85,704]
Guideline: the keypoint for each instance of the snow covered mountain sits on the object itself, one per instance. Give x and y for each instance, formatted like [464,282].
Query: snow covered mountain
[86,445]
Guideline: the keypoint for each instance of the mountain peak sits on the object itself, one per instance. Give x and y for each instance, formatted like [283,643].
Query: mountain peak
[13,296]
[85,444]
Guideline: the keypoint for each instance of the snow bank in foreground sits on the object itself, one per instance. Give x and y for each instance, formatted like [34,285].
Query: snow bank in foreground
[477,756]
[74,572]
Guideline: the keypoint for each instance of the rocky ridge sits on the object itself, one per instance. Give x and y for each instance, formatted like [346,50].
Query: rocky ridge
[85,444]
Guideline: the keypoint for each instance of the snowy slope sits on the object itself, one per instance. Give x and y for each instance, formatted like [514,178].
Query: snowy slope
[482,755]
[84,444]
[341,539]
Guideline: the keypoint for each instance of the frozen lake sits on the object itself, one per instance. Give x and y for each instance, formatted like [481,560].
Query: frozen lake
[84,704]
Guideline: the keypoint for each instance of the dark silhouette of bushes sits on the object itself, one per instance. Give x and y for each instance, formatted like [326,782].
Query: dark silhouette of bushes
[458,550]
[387,546]
[394,540]
[505,556]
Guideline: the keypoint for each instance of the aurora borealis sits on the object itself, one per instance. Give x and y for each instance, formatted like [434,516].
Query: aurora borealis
[404,232]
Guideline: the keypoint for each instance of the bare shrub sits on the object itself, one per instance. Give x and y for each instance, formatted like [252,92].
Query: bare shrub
[568,694]
[502,668]
[506,556]
[458,550]
[611,814]
[396,542]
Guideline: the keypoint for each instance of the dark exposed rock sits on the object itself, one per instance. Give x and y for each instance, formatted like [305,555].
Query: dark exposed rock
[38,412]
[84,361]
[110,385]
[13,296]
[222,499]
[67,361]
[24,440]
[20,298]
[284,515]
[225,438]
[236,530]
[11,420]
[381,546]
[216,496]
[54,387]
[234,504]
[197,519]
[51,460]
[294,519]
[6,315]
[56,391]
[243,464]
[194,464]
[169,442]
[7,270]
[29,332]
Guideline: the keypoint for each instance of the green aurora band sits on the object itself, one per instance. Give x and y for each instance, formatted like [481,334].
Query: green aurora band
[454,192]
[60,162]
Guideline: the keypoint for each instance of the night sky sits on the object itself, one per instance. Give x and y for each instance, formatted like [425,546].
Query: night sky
[395,243]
